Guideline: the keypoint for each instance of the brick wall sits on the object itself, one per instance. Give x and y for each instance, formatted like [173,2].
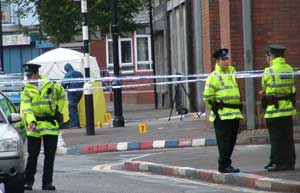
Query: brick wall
[132,97]
[97,49]
[225,24]
[276,22]
[140,95]
[211,31]
[273,21]
[231,29]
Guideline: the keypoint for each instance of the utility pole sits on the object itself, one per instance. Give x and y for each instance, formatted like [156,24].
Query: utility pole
[1,43]
[88,90]
[118,120]
[153,53]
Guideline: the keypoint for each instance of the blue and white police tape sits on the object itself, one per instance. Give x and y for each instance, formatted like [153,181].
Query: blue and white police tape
[116,81]
[239,74]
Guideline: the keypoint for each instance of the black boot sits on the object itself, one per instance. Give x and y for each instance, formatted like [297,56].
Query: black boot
[229,169]
[276,168]
[48,187]
[291,167]
[270,164]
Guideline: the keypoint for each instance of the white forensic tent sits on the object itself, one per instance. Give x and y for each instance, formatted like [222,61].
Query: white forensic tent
[53,63]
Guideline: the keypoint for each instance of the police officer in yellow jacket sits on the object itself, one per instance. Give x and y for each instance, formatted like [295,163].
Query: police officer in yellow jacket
[41,99]
[222,96]
[279,104]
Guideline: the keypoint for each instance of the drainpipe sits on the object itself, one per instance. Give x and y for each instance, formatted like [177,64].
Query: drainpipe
[248,64]
[198,53]
[153,53]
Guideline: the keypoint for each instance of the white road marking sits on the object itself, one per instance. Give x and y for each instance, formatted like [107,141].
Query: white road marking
[133,155]
[108,169]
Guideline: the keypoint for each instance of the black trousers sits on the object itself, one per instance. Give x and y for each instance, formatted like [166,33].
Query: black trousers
[226,134]
[33,148]
[282,140]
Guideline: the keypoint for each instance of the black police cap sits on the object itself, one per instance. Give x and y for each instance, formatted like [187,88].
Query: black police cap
[221,53]
[275,49]
[31,67]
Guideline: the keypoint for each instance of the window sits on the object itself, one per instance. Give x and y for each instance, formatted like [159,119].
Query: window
[6,106]
[142,60]
[143,53]
[125,55]
[110,52]
[125,51]
[142,49]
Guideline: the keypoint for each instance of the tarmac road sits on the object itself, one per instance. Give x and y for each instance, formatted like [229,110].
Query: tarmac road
[99,173]
[249,158]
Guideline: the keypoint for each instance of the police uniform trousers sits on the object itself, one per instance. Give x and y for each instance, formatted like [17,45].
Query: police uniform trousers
[282,140]
[226,134]
[74,98]
[33,148]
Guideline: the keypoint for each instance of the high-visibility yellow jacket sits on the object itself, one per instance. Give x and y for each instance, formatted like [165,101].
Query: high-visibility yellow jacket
[222,86]
[37,104]
[278,80]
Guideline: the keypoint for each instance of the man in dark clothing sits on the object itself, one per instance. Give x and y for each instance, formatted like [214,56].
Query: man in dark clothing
[73,96]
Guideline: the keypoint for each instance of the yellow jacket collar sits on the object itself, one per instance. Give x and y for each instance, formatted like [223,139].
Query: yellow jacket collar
[279,60]
[42,77]
[219,69]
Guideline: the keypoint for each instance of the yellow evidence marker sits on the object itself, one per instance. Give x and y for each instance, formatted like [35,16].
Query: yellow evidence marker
[107,117]
[142,128]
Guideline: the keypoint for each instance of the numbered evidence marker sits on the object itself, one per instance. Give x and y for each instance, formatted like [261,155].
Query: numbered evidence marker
[107,117]
[142,128]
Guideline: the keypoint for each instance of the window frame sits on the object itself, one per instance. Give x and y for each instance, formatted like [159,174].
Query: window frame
[149,61]
[131,64]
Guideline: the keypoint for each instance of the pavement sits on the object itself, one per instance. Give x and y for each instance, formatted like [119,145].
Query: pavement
[190,145]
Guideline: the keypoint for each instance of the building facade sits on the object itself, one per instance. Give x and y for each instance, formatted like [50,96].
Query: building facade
[19,48]
[189,31]
[135,59]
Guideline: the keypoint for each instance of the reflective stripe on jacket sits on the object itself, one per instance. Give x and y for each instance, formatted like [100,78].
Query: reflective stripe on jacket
[42,102]
[278,80]
[221,87]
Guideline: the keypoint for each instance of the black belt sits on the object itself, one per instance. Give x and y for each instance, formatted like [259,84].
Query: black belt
[232,106]
[50,119]
[220,105]
[273,100]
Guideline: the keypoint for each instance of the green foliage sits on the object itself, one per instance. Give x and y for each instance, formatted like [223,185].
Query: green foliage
[61,19]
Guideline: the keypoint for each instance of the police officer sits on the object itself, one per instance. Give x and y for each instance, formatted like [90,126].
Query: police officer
[279,104]
[222,96]
[41,99]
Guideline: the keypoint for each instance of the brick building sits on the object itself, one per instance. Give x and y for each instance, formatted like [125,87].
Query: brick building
[245,27]
[134,57]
